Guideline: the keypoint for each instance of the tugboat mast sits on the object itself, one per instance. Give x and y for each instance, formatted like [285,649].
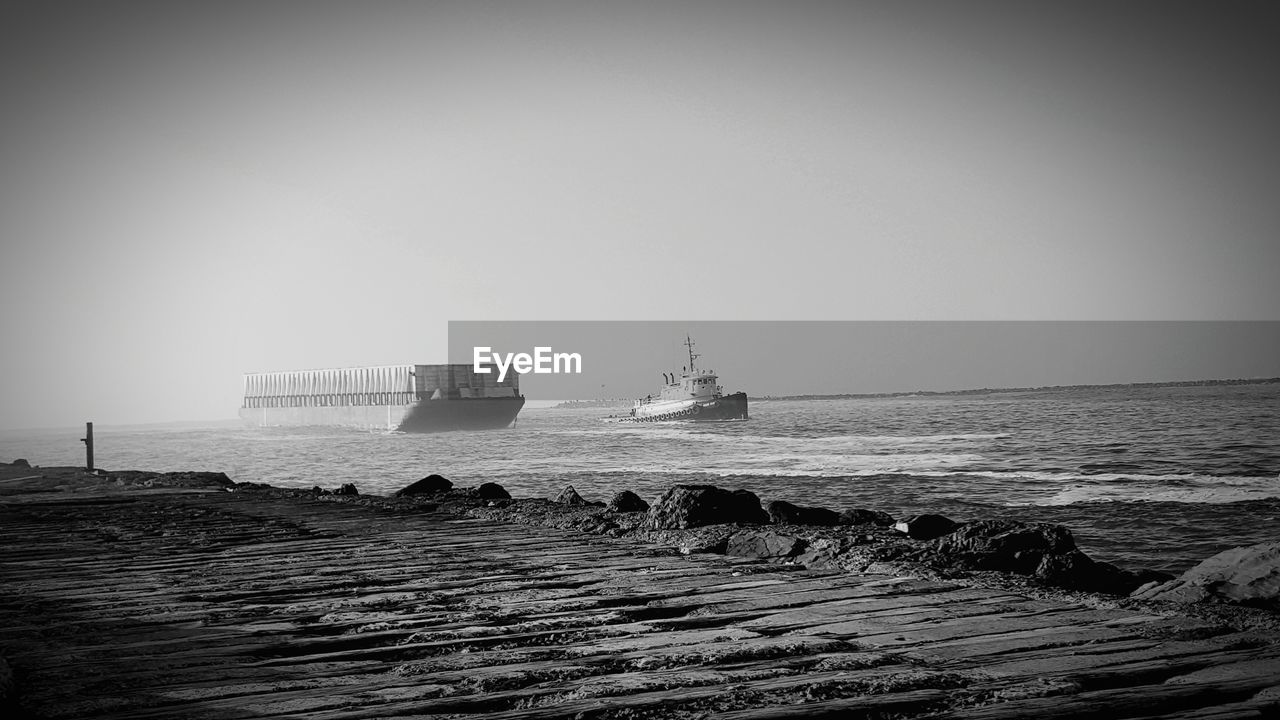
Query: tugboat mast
[688,341]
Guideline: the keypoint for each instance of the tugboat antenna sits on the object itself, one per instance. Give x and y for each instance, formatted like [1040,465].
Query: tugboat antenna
[688,341]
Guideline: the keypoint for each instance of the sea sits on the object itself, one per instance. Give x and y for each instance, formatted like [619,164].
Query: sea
[1148,476]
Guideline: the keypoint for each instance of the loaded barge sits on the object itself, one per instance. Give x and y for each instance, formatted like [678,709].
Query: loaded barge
[407,398]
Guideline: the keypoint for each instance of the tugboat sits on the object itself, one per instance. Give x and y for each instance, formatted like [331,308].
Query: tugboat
[694,396]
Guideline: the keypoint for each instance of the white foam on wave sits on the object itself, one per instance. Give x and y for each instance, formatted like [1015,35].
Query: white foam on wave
[1204,489]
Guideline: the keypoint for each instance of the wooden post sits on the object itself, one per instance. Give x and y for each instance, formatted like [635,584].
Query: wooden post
[88,446]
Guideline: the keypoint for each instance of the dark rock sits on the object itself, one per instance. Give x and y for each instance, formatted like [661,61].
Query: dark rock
[763,544]
[1003,545]
[858,516]
[782,512]
[21,462]
[1243,576]
[347,489]
[317,490]
[569,496]
[1076,571]
[685,506]
[492,491]
[926,526]
[627,501]
[7,699]
[429,485]
[704,544]
[194,479]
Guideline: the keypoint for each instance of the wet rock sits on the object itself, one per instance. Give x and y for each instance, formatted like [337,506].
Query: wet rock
[1243,576]
[703,544]
[492,491]
[429,485]
[347,489]
[627,501]
[195,479]
[315,490]
[764,544]
[1002,545]
[858,516]
[685,506]
[21,462]
[823,553]
[6,684]
[1076,571]
[926,527]
[782,512]
[569,496]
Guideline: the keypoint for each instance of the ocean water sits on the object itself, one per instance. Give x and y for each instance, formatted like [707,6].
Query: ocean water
[1147,476]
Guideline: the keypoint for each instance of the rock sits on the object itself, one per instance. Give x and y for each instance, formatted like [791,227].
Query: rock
[194,479]
[7,700]
[492,491]
[685,506]
[627,501]
[21,462]
[1076,571]
[315,490]
[1003,545]
[782,512]
[763,544]
[347,489]
[1243,576]
[822,553]
[429,485]
[926,526]
[858,516]
[569,496]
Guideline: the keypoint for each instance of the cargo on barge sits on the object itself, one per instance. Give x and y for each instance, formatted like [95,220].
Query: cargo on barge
[408,398]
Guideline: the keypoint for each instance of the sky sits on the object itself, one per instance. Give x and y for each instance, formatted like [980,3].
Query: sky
[193,191]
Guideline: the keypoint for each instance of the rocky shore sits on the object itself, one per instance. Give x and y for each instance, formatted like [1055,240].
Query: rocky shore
[1241,586]
[251,600]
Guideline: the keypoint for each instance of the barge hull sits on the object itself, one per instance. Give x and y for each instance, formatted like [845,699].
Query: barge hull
[423,416]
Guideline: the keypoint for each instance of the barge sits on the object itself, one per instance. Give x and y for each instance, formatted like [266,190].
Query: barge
[407,398]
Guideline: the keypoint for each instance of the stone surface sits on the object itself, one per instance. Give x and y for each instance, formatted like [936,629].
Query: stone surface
[429,485]
[1003,545]
[1243,575]
[685,506]
[858,516]
[1076,571]
[782,512]
[492,491]
[627,501]
[569,496]
[926,527]
[765,544]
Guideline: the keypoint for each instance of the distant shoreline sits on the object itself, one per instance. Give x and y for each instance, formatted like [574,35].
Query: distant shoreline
[1043,388]
[611,402]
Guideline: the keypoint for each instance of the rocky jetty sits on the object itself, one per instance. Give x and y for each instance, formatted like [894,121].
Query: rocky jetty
[705,519]
[272,602]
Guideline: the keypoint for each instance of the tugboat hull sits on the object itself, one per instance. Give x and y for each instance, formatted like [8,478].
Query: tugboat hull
[727,407]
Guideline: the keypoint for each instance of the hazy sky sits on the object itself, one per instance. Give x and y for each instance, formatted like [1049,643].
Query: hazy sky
[192,191]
